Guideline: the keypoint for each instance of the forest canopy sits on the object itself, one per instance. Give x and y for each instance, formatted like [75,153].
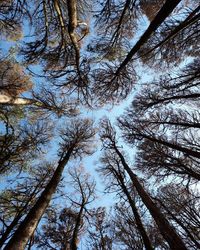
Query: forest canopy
[99,124]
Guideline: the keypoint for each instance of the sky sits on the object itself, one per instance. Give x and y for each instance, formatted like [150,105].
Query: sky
[112,112]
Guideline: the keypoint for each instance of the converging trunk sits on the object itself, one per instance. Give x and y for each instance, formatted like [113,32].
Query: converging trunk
[139,224]
[74,240]
[28,226]
[164,12]
[167,231]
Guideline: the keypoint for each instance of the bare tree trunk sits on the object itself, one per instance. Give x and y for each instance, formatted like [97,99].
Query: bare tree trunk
[75,232]
[179,222]
[28,226]
[138,221]
[15,221]
[167,231]
[9,100]
[164,12]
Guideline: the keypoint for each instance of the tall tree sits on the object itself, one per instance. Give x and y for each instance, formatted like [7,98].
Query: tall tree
[57,229]
[99,234]
[174,39]
[76,141]
[21,143]
[181,87]
[168,232]
[182,207]
[15,81]
[57,40]
[125,229]
[111,165]
[17,199]
[116,80]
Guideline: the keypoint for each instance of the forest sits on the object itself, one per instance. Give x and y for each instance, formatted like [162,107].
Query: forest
[100,124]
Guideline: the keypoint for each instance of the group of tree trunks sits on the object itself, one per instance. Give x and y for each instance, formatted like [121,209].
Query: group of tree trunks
[149,159]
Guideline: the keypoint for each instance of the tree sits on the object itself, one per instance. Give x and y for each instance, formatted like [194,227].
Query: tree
[57,41]
[167,231]
[64,229]
[181,207]
[162,162]
[15,81]
[17,199]
[21,143]
[135,130]
[125,229]
[111,165]
[11,14]
[75,143]
[179,88]
[85,190]
[99,232]
[174,39]
[117,79]
[57,229]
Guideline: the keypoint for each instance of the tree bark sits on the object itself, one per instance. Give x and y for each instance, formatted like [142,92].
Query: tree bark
[138,221]
[164,12]
[75,232]
[167,231]
[15,221]
[183,25]
[73,22]
[9,100]
[28,226]
[179,222]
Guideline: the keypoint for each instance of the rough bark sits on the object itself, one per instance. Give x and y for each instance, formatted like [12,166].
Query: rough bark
[72,12]
[28,226]
[167,231]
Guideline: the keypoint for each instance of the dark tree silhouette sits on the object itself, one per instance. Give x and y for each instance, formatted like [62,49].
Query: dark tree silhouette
[168,232]
[76,138]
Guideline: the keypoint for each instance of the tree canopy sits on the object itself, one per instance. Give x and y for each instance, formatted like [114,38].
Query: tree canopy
[99,124]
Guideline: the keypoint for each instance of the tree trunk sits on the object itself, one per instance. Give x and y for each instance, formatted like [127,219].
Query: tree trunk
[183,25]
[15,221]
[72,12]
[164,12]
[9,100]
[138,221]
[75,232]
[28,226]
[167,231]
[179,222]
